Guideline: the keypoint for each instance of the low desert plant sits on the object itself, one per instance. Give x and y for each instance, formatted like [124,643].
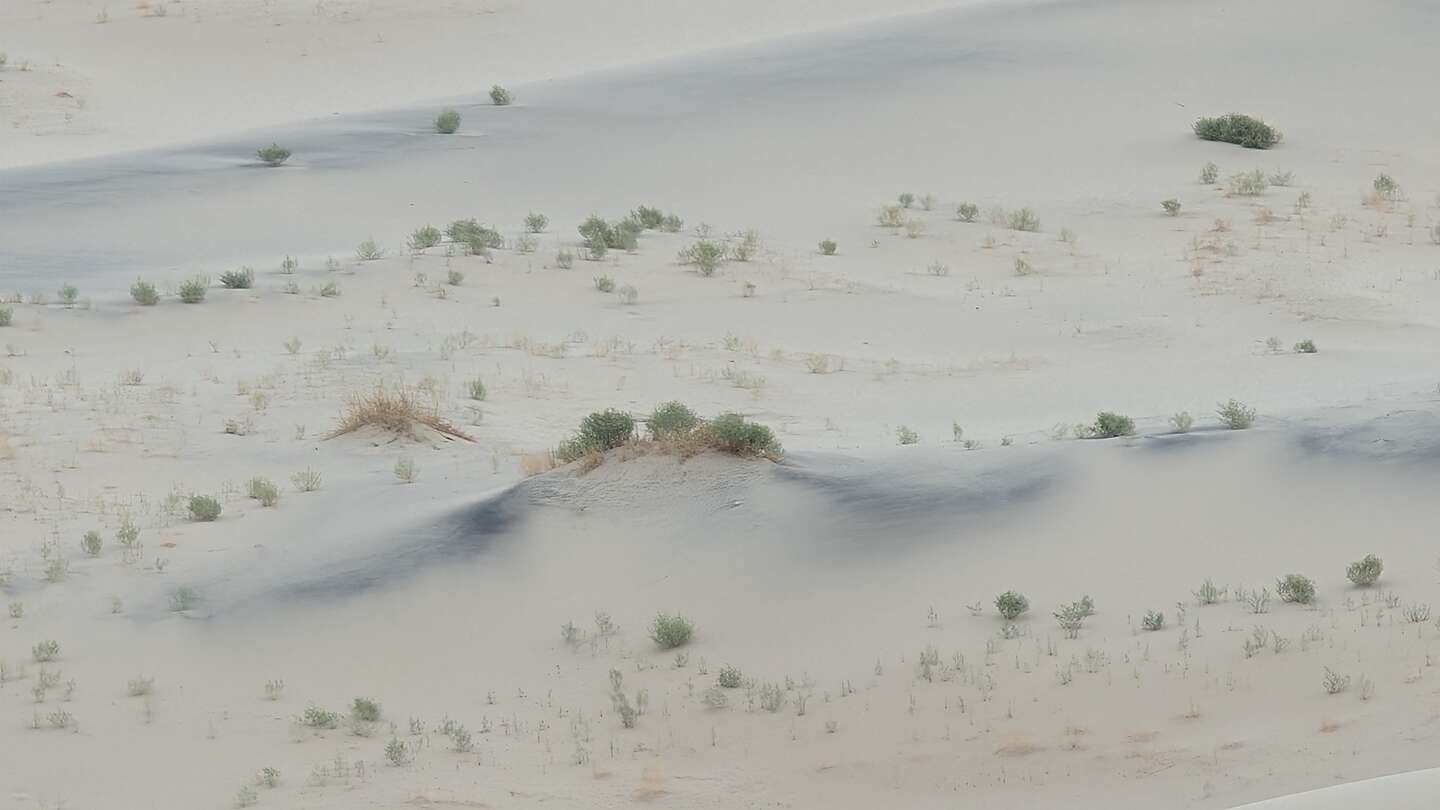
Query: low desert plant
[1386,187]
[241,279]
[1295,588]
[1248,184]
[564,259]
[501,97]
[144,293]
[139,687]
[1023,267]
[316,717]
[745,246]
[671,421]
[827,247]
[1282,179]
[732,433]
[204,508]
[406,470]
[604,284]
[1011,605]
[476,390]
[1366,571]
[182,599]
[1023,220]
[906,199]
[454,278]
[1243,130]
[891,216]
[1209,173]
[306,480]
[1235,415]
[272,155]
[1072,616]
[1171,206]
[705,255]
[905,435]
[671,630]
[91,543]
[397,410]
[1334,682]
[447,122]
[7,315]
[536,223]
[628,295]
[729,677]
[1109,425]
[69,294]
[605,430]
[368,251]
[966,212]
[193,289]
[1306,346]
[1153,620]
[263,490]
[46,651]
[425,237]
[1181,422]
[365,710]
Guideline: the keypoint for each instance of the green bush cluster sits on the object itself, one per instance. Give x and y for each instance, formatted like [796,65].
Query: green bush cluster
[1244,130]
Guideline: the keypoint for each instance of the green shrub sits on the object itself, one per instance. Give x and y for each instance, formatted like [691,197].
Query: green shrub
[966,212]
[906,199]
[454,278]
[891,216]
[427,237]
[1295,588]
[649,218]
[242,279]
[144,293]
[365,710]
[672,224]
[536,223]
[705,255]
[731,433]
[1171,206]
[46,651]
[606,430]
[447,122]
[670,631]
[1011,605]
[7,315]
[316,717]
[69,294]
[904,435]
[477,390]
[1109,425]
[605,284]
[204,508]
[1244,130]
[91,543]
[1248,184]
[1235,415]
[183,599]
[672,420]
[1153,620]
[500,96]
[564,260]
[263,490]
[1023,220]
[368,251]
[1209,173]
[193,289]
[1365,571]
[1306,346]
[273,155]
[1181,422]
[1386,187]
[827,247]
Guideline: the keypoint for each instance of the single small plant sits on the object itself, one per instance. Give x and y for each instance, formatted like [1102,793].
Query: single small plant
[476,390]
[7,315]
[1334,682]
[938,269]
[193,289]
[564,260]
[501,97]
[273,155]
[1306,346]
[672,421]
[316,717]
[1235,415]
[144,293]
[827,247]
[292,345]
[1209,173]
[406,470]
[454,278]
[671,630]
[365,710]
[1171,206]
[1109,425]
[91,543]
[1248,184]
[204,508]
[274,690]
[1257,601]
[891,216]
[1023,220]
[329,290]
[182,599]
[905,435]
[269,777]
[46,651]
[1181,422]
[1387,188]
[729,677]
[1365,571]
[397,753]
[605,284]
[139,687]
[628,295]
[1282,179]
[426,237]
[1416,613]
[966,212]
[242,279]
[1295,588]
[289,265]
[69,294]
[368,251]
[447,122]
[1011,605]
[1153,620]
[1023,267]
[1072,616]
[264,491]
[906,199]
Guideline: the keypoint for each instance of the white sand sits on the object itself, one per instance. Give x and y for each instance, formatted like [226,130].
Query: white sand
[444,597]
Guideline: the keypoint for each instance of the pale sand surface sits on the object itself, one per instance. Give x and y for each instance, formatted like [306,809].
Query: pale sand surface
[829,574]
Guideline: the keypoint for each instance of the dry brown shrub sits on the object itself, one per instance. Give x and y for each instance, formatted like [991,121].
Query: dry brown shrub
[396,410]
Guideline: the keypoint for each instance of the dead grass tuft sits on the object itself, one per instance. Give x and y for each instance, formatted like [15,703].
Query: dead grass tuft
[398,411]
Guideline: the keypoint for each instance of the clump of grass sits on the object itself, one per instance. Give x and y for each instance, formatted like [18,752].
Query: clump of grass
[1248,184]
[144,293]
[1181,422]
[425,237]
[891,216]
[628,295]
[1236,128]
[705,255]
[46,651]
[447,122]
[1109,425]
[1209,173]
[263,490]
[203,508]
[1306,346]
[365,710]
[564,259]
[272,155]
[1171,206]
[827,247]
[1012,605]
[397,410]
[1153,620]
[192,290]
[306,480]
[316,717]
[406,470]
[604,284]
[476,390]
[368,251]
[501,97]
[732,433]
[241,279]
[1235,415]
[1023,220]
[729,677]
[91,543]
[454,278]
[1295,588]
[671,630]
[182,599]
[1366,571]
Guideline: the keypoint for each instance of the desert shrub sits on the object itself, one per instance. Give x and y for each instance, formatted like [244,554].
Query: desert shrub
[597,250]
[628,295]
[183,599]
[368,251]
[316,717]
[650,218]
[204,508]
[1244,130]
[500,96]
[1248,184]
[1365,571]
[46,651]
[536,223]
[671,420]
[904,435]
[705,255]
[564,260]
[671,630]
[966,212]
[1306,346]
[1282,179]
[447,122]
[427,237]
[745,246]
[1209,594]
[7,316]
[914,228]
[144,293]
[729,677]
[263,490]
[289,265]
[1171,206]
[477,239]
[406,470]
[365,710]
[91,543]
[69,294]
[827,247]
[1109,425]
[604,284]
[621,235]
[329,290]
[1072,616]
[306,480]
[1023,267]
[454,278]
[1181,422]
[1022,220]
[1334,682]
[242,279]
[1209,173]
[1235,415]
[731,433]
[1153,620]
[672,224]
[1295,588]
[396,410]
[273,155]
[1387,188]
[605,430]
[1011,605]
[476,389]
[891,216]
[906,199]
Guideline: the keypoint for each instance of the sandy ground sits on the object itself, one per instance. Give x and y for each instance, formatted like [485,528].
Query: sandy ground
[853,582]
